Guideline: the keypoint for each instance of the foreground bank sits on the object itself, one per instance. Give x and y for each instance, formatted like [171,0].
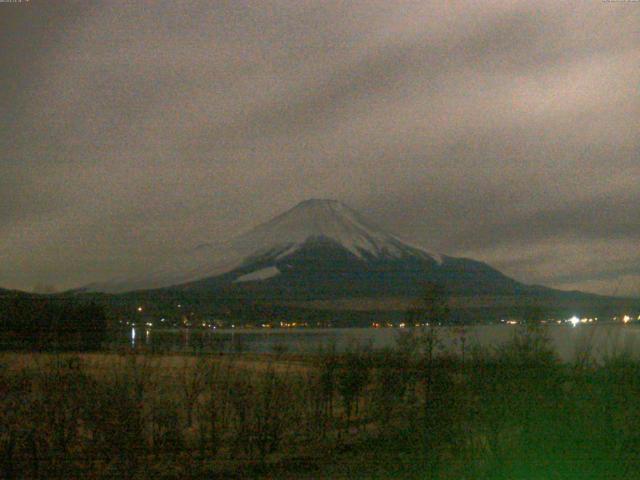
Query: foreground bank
[405,412]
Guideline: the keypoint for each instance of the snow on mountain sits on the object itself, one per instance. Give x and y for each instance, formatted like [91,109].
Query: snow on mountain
[329,219]
[278,238]
[261,274]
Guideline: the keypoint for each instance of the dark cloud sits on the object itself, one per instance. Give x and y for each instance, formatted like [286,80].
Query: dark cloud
[505,131]
[601,217]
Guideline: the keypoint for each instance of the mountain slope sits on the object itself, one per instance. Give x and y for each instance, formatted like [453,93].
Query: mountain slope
[319,249]
[320,267]
[322,252]
[273,241]
[323,219]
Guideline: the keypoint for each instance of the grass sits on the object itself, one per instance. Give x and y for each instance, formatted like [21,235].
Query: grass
[414,411]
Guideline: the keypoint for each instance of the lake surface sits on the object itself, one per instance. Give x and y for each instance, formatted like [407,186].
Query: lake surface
[602,339]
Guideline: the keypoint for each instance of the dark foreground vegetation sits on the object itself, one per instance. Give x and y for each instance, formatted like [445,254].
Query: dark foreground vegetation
[411,412]
[48,323]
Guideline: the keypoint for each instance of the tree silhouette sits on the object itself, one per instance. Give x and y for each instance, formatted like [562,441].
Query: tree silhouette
[431,308]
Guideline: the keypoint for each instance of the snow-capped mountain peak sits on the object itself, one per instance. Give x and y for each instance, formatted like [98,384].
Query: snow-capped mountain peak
[273,241]
[319,218]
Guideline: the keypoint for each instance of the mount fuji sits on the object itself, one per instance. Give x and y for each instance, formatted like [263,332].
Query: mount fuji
[318,249]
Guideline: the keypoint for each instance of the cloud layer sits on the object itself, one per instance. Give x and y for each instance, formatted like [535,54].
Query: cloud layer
[506,131]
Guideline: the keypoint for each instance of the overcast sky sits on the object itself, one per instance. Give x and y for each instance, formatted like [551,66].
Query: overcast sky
[506,131]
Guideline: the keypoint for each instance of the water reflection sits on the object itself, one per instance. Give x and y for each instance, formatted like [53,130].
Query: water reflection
[602,340]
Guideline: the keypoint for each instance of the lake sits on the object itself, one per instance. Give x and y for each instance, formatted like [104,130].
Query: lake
[603,339]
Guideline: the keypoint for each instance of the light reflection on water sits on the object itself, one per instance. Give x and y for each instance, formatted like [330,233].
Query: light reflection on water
[601,339]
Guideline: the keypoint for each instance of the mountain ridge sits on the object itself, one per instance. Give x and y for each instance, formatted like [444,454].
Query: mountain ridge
[285,233]
[321,249]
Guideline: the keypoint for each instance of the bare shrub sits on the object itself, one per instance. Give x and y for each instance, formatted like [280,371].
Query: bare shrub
[352,378]
[323,379]
[393,377]
[213,413]
[192,380]
[241,399]
[271,412]
[17,434]
[166,428]
[117,415]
